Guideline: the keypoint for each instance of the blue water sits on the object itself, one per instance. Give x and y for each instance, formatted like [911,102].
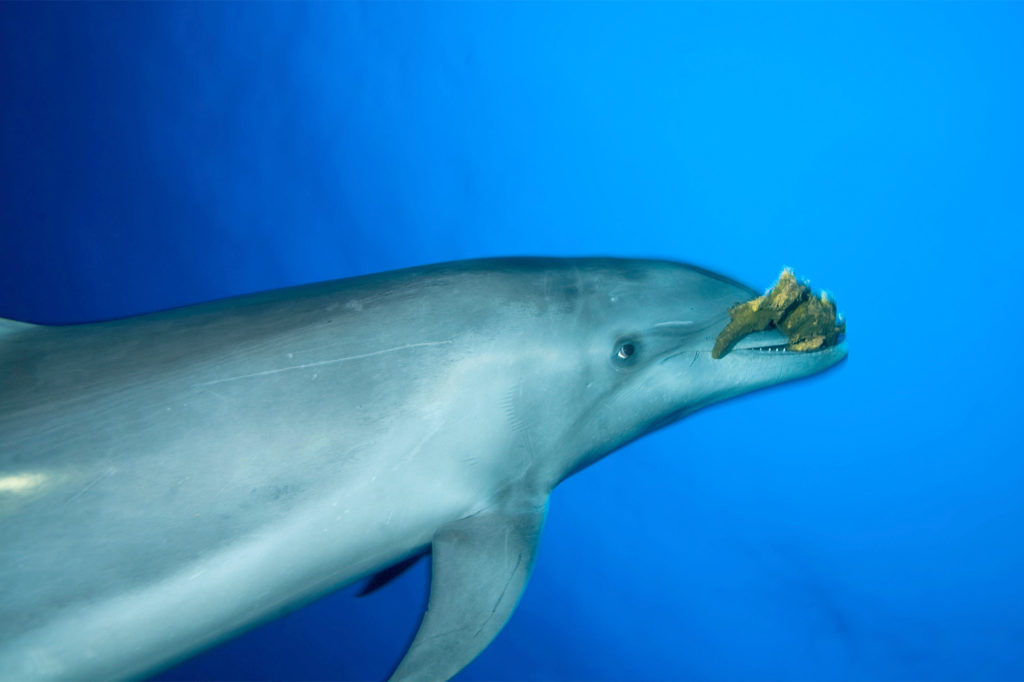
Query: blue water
[865,524]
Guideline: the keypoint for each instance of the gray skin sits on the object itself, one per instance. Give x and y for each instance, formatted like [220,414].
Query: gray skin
[170,480]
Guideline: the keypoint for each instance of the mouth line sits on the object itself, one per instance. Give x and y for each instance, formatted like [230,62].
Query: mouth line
[784,348]
[775,348]
[772,349]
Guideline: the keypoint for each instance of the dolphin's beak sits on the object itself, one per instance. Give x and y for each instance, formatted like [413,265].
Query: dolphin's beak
[808,322]
[759,341]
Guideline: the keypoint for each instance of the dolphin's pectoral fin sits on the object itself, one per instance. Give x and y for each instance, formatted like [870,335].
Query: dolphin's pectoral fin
[480,566]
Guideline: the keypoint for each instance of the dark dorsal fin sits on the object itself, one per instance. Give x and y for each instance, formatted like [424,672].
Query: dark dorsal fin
[382,578]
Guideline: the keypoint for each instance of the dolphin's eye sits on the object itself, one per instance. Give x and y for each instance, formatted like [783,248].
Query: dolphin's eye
[625,353]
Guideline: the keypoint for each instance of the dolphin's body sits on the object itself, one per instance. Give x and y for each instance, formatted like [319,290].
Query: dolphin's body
[169,480]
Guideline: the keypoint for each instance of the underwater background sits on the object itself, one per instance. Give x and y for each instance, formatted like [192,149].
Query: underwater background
[867,523]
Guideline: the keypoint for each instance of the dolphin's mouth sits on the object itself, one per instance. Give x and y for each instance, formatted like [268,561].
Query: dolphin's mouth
[785,348]
[798,321]
[774,341]
[767,341]
[780,348]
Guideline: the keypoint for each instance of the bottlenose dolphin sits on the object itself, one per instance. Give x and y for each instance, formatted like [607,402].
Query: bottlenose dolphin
[172,479]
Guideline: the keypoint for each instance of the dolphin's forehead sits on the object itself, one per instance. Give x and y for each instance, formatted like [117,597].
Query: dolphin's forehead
[641,275]
[653,289]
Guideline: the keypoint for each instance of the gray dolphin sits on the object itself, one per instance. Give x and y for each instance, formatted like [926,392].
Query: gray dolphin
[172,479]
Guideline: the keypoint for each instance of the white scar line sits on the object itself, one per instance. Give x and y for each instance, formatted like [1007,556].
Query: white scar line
[324,362]
[674,323]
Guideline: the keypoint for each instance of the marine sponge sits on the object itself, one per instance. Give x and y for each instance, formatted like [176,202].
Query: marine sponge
[809,322]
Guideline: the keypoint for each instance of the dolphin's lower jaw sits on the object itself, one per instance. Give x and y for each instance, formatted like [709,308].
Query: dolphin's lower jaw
[762,367]
[175,478]
[793,364]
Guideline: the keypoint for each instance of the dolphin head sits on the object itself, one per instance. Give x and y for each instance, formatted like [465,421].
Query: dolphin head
[644,332]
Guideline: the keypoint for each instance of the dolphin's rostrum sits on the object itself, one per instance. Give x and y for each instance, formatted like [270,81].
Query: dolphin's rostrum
[169,480]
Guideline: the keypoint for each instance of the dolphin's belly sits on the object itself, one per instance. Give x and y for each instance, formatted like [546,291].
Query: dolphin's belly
[110,630]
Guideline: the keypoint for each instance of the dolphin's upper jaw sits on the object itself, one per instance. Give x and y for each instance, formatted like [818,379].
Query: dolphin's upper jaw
[774,341]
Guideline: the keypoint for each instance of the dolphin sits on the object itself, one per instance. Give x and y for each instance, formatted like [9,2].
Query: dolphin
[172,479]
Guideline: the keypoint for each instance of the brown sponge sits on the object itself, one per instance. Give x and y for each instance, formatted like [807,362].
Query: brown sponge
[809,322]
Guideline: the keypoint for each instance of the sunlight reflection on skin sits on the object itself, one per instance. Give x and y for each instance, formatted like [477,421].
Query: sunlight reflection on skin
[21,483]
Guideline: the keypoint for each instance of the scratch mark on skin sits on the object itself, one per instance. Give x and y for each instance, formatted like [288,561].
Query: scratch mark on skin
[675,323]
[423,441]
[324,362]
[676,354]
[501,597]
[88,486]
